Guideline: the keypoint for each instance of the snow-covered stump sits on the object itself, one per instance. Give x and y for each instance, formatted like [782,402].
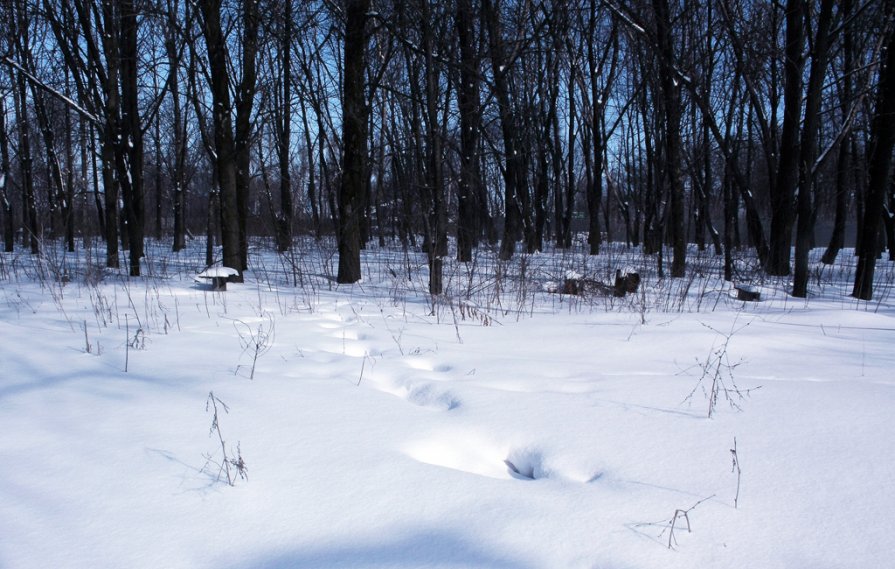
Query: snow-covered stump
[217,276]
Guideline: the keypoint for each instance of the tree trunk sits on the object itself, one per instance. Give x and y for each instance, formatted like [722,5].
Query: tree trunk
[224,145]
[784,188]
[843,162]
[178,175]
[810,125]
[9,231]
[513,185]
[68,208]
[95,169]
[312,186]
[597,71]
[882,132]
[30,226]
[437,224]
[159,185]
[468,108]
[130,138]
[554,146]
[354,141]
[245,98]
[571,182]
[671,107]
[284,135]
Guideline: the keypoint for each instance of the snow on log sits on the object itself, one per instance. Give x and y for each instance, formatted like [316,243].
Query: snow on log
[218,276]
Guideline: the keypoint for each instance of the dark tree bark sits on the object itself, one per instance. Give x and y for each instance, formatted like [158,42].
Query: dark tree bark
[69,204]
[554,145]
[807,148]
[837,238]
[784,188]
[178,127]
[436,214]
[130,138]
[844,159]
[889,218]
[882,142]
[541,136]
[30,226]
[671,107]
[95,169]
[284,133]
[9,231]
[224,144]
[159,192]
[512,171]
[571,179]
[110,126]
[595,158]
[245,100]
[468,108]
[354,141]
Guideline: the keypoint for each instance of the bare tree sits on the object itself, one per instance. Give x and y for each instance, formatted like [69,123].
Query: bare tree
[354,140]
[808,146]
[232,123]
[513,173]
[882,143]
[5,174]
[468,104]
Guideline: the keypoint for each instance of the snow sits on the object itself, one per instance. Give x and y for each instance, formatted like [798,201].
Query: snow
[512,430]
[213,272]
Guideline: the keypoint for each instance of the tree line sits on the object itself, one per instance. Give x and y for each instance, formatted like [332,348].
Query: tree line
[518,124]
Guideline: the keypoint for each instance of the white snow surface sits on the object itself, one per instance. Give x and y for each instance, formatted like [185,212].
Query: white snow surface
[529,430]
[212,272]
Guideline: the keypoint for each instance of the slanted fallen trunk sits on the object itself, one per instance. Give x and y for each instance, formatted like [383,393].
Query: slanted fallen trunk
[628,283]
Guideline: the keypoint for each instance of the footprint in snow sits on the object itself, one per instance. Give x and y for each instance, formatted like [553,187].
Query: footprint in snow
[428,396]
[478,455]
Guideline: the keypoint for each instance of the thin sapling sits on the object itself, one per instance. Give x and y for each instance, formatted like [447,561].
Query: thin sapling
[717,378]
[230,466]
[255,341]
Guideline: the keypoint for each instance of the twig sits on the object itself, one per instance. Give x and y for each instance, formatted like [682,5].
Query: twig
[238,463]
[363,364]
[127,341]
[735,467]
[87,346]
[682,514]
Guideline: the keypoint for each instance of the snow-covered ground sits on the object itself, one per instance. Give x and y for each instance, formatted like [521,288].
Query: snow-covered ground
[503,427]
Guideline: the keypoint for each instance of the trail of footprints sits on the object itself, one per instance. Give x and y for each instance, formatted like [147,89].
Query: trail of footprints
[470,453]
[345,337]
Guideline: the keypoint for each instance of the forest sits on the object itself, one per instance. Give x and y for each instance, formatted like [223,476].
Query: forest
[328,284]
[517,125]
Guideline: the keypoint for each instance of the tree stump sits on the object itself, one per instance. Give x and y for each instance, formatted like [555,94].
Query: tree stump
[627,284]
[747,294]
[218,277]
